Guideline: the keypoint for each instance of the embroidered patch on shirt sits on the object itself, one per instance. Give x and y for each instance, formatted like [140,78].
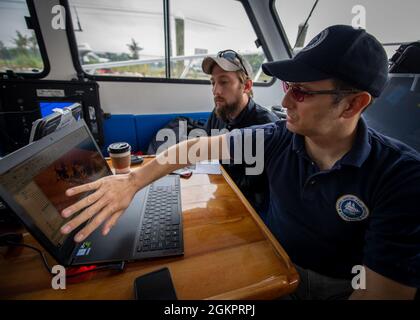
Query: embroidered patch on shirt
[351,208]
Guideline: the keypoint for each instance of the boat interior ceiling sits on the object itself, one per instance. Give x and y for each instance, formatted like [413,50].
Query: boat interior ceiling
[136,65]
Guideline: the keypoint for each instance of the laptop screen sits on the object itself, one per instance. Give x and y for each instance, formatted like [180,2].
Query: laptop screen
[37,180]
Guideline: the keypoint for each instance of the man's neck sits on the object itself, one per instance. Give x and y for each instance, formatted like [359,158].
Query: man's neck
[327,150]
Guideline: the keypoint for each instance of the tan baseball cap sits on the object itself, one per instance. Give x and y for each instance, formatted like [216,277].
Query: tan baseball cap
[228,60]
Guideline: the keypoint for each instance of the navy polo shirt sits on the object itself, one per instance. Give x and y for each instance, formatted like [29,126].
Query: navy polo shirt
[363,211]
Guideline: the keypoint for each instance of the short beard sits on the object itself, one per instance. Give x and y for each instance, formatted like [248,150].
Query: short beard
[226,111]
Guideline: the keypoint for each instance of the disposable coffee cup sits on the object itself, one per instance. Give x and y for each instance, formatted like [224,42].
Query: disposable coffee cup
[120,153]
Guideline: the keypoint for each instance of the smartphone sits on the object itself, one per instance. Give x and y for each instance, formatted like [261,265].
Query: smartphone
[136,159]
[156,285]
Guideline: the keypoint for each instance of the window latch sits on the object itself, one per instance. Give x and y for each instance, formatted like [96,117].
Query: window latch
[29,23]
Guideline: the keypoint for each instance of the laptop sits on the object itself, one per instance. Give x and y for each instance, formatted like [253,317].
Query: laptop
[55,121]
[33,181]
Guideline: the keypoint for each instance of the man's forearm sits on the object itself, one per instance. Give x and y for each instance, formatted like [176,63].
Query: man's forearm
[153,171]
[369,295]
[208,148]
[379,287]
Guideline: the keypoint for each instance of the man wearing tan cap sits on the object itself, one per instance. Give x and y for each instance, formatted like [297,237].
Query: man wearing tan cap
[231,79]
[234,108]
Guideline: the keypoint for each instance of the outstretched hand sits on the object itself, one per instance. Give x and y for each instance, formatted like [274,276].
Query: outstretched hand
[111,196]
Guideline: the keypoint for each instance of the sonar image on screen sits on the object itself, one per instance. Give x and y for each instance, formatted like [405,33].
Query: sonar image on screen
[78,166]
[39,183]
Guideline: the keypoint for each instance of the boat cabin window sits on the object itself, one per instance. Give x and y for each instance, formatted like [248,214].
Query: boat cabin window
[131,39]
[20,42]
[392,22]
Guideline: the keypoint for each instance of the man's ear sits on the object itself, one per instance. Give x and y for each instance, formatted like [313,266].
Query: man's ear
[248,86]
[356,103]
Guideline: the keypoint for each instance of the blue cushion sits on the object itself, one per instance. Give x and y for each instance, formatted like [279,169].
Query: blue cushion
[149,124]
[120,127]
[139,130]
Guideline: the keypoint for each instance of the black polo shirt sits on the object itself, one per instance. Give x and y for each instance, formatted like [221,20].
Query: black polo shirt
[364,210]
[254,188]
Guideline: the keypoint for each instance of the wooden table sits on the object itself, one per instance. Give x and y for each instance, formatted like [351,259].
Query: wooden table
[229,254]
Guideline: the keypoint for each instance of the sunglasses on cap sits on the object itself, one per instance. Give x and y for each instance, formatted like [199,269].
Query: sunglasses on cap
[299,94]
[233,57]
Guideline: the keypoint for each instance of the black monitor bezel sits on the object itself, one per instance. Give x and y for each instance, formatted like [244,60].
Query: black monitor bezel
[43,123]
[63,254]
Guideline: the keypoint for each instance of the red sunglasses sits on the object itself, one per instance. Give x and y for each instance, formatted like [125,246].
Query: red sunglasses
[299,95]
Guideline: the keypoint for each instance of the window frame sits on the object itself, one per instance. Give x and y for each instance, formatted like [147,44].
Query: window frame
[41,45]
[280,28]
[285,37]
[166,8]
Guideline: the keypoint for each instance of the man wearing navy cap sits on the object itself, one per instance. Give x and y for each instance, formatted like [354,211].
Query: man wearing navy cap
[341,194]
[347,195]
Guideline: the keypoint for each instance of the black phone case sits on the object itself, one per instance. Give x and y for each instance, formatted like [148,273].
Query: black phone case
[136,159]
[156,285]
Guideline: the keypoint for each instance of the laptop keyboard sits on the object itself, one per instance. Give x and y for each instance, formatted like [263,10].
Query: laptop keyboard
[161,227]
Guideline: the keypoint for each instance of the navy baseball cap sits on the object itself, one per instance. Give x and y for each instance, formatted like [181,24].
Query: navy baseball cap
[342,52]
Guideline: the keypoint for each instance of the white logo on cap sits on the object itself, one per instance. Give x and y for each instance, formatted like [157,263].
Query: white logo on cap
[316,41]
